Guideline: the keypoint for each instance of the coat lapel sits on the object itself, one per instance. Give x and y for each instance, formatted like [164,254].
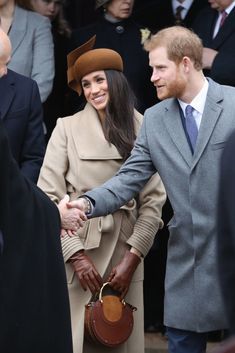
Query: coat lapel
[18,29]
[174,126]
[6,93]
[90,143]
[210,116]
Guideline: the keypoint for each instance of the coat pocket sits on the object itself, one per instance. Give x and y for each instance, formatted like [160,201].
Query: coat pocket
[218,145]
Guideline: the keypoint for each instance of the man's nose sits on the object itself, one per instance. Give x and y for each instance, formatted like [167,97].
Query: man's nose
[155,76]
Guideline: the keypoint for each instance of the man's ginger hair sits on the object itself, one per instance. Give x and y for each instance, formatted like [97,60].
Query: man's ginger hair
[179,42]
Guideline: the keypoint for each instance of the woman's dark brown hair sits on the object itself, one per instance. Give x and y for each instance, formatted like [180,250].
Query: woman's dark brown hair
[119,127]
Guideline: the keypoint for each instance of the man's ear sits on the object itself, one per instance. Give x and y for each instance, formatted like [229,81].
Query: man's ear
[187,63]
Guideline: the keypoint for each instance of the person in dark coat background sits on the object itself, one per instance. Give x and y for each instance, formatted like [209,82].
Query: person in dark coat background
[226,239]
[21,113]
[226,230]
[34,307]
[218,37]
[115,29]
[159,14]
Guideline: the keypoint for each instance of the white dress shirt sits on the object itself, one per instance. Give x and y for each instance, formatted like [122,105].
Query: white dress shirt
[186,4]
[198,104]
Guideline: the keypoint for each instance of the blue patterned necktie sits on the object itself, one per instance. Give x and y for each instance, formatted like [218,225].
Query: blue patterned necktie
[191,125]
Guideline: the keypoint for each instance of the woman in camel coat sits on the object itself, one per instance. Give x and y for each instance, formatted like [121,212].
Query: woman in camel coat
[81,154]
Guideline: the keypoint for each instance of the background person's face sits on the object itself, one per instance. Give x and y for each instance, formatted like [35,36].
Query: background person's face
[120,9]
[219,5]
[5,2]
[48,8]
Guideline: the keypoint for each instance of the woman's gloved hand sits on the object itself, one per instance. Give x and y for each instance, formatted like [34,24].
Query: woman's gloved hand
[121,275]
[86,272]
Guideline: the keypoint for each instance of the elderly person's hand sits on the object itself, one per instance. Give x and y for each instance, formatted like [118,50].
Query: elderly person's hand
[71,218]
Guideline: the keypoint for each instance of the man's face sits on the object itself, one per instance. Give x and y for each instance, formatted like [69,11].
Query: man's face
[219,5]
[5,52]
[4,60]
[120,9]
[168,77]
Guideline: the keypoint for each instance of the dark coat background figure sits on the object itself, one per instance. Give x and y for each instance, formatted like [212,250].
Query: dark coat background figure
[56,104]
[34,308]
[159,14]
[223,68]
[80,12]
[226,230]
[21,113]
[125,38]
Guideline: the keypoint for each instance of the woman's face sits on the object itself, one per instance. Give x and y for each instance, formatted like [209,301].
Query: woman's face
[120,9]
[95,89]
[48,8]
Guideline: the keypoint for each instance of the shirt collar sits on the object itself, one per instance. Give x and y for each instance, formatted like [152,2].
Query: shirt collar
[198,102]
[186,4]
[230,7]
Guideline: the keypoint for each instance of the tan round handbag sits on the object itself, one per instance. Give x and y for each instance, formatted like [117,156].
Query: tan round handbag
[108,320]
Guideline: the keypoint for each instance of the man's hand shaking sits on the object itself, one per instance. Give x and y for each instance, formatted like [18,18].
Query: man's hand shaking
[72,215]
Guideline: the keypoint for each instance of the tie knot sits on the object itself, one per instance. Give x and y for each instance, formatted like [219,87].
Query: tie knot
[189,111]
[178,12]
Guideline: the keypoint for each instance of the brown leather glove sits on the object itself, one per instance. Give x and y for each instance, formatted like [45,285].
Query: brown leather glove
[121,275]
[85,270]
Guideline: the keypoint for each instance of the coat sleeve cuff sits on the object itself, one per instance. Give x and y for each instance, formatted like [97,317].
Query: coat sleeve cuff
[143,235]
[70,245]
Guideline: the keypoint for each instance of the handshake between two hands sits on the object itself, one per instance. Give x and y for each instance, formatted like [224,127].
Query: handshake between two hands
[72,218]
[72,215]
